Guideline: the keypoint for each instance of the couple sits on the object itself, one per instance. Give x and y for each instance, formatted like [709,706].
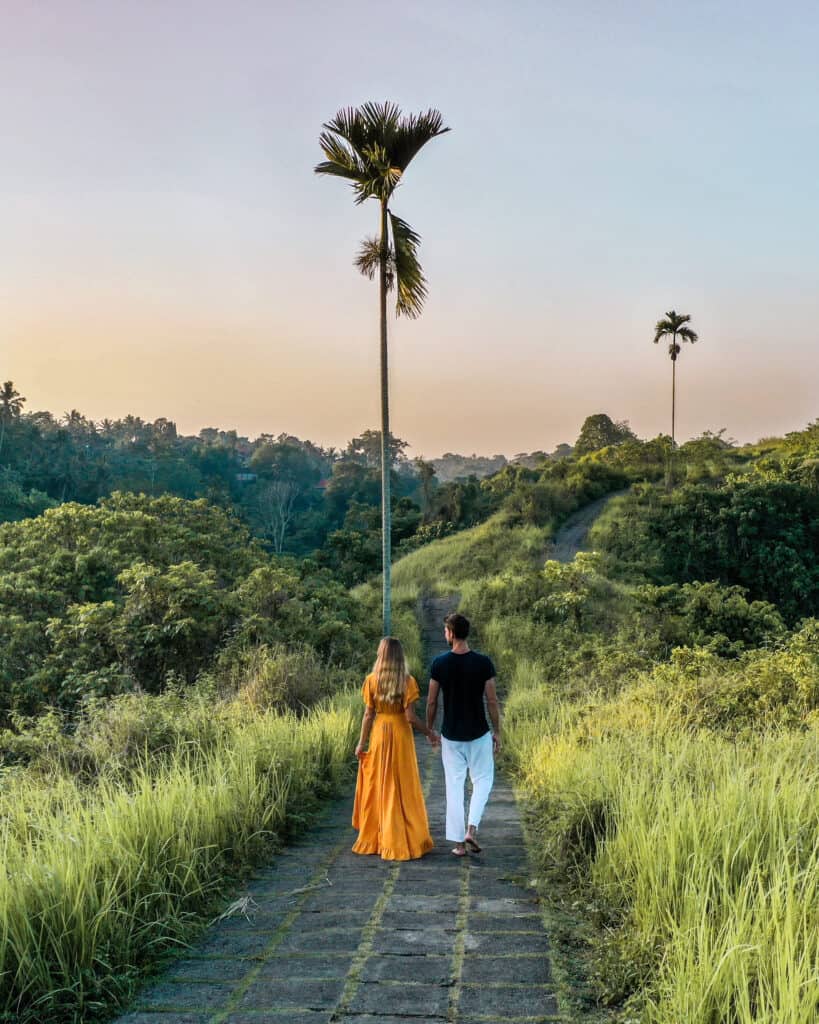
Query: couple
[389,810]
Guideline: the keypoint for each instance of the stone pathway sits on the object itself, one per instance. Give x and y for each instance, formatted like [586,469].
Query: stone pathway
[432,614]
[335,937]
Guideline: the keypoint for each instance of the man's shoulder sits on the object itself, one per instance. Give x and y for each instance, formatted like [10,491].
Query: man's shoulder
[440,660]
[485,663]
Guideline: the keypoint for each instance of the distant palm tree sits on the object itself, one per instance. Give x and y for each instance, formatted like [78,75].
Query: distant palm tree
[11,406]
[674,325]
[75,422]
[11,402]
[371,147]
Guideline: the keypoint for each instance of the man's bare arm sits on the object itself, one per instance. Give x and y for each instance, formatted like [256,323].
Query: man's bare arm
[490,692]
[432,702]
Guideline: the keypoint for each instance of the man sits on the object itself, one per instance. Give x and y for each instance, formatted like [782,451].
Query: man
[467,746]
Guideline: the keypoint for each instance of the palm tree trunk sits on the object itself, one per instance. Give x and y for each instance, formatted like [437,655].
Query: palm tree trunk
[670,480]
[673,392]
[385,433]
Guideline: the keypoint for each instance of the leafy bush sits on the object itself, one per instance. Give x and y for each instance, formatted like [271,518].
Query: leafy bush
[114,736]
[759,534]
[763,687]
[710,615]
[286,679]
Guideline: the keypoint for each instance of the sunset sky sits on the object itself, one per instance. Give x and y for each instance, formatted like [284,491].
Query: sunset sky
[167,250]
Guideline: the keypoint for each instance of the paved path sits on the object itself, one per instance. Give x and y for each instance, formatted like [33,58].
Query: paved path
[432,614]
[332,936]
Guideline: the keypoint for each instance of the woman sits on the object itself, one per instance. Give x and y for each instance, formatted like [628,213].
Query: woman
[389,810]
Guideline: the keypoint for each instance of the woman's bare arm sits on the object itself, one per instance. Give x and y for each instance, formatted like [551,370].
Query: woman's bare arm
[416,723]
[366,726]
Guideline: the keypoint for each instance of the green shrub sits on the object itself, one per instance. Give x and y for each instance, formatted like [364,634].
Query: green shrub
[117,735]
[284,678]
[138,592]
[710,615]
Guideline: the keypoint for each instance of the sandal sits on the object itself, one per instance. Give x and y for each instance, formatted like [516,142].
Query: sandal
[471,843]
[459,852]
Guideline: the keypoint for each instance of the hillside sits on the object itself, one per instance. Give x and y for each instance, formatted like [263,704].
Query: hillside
[661,709]
[661,706]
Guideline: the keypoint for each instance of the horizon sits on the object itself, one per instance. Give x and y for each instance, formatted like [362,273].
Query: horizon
[190,432]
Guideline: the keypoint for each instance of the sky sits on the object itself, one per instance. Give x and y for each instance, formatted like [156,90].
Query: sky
[167,250]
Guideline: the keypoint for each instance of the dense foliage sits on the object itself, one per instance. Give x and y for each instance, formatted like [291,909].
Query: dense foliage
[295,496]
[136,593]
[758,530]
[661,705]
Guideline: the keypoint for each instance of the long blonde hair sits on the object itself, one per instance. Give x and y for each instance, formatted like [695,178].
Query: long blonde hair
[390,671]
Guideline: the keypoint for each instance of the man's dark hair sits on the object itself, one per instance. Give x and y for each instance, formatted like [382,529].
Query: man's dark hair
[459,624]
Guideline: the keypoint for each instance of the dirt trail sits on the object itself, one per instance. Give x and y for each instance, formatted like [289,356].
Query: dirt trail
[571,537]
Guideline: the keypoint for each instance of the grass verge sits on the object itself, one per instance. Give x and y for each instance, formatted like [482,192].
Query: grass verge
[98,881]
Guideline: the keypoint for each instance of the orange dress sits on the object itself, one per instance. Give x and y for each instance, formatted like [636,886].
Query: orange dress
[389,810]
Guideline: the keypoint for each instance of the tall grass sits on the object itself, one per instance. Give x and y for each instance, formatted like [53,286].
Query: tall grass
[677,798]
[96,881]
[441,567]
[406,597]
[702,857]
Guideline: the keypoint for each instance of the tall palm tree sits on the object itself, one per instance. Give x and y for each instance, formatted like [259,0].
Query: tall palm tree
[674,326]
[371,147]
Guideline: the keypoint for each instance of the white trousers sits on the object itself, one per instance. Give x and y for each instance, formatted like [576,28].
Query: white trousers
[461,757]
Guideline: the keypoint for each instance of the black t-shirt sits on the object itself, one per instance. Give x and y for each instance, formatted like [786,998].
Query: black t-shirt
[462,678]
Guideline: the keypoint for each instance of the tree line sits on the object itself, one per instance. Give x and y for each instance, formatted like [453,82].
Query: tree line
[299,498]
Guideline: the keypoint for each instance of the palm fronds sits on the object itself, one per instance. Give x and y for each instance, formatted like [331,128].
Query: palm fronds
[415,131]
[402,266]
[412,285]
[368,260]
[371,146]
[674,324]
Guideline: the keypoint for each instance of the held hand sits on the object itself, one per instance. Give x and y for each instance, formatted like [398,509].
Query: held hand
[433,738]
[496,743]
